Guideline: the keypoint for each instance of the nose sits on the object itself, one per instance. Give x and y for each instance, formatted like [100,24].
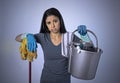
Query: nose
[53,25]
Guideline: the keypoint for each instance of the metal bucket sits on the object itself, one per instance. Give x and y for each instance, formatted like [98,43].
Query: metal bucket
[83,64]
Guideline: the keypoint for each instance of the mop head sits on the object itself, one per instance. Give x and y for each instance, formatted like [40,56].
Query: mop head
[25,53]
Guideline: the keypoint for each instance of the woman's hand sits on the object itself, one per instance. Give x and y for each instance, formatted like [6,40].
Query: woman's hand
[31,42]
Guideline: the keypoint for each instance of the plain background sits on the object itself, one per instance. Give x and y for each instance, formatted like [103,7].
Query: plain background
[20,16]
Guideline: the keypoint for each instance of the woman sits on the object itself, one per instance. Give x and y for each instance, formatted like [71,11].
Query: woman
[55,68]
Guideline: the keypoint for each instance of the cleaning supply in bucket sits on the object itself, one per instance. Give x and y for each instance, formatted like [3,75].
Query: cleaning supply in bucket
[86,42]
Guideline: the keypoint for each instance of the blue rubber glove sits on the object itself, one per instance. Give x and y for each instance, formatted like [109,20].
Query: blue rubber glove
[83,33]
[31,43]
[82,30]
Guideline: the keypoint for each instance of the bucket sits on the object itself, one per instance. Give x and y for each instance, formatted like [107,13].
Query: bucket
[82,63]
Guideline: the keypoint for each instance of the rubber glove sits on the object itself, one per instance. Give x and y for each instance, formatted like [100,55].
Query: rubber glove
[31,43]
[83,33]
[82,30]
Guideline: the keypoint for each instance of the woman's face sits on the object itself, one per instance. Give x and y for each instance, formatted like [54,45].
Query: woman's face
[53,24]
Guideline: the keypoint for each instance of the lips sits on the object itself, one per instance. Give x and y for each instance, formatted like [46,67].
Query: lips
[54,29]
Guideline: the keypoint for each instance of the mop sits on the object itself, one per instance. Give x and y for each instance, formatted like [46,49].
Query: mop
[27,55]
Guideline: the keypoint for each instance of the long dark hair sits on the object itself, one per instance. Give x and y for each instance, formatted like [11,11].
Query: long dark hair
[48,12]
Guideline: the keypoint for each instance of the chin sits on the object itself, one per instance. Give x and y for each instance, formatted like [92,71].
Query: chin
[55,31]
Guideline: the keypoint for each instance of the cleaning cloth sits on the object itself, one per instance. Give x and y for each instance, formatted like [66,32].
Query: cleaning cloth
[25,53]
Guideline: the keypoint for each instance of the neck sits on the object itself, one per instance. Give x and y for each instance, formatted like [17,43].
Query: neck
[55,35]
[56,38]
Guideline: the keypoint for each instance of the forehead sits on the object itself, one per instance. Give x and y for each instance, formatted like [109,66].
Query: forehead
[51,17]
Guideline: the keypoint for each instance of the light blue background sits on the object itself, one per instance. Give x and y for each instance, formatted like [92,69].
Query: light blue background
[20,16]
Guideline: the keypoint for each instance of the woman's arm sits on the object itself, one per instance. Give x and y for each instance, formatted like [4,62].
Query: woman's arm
[18,38]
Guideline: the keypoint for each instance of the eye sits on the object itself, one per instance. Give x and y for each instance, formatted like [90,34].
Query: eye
[48,23]
[55,20]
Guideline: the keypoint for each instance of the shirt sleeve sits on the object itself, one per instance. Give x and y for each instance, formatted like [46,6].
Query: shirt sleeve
[38,37]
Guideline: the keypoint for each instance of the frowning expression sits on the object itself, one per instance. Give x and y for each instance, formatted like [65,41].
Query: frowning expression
[53,24]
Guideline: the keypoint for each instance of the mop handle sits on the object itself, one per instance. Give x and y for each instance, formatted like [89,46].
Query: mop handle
[30,74]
